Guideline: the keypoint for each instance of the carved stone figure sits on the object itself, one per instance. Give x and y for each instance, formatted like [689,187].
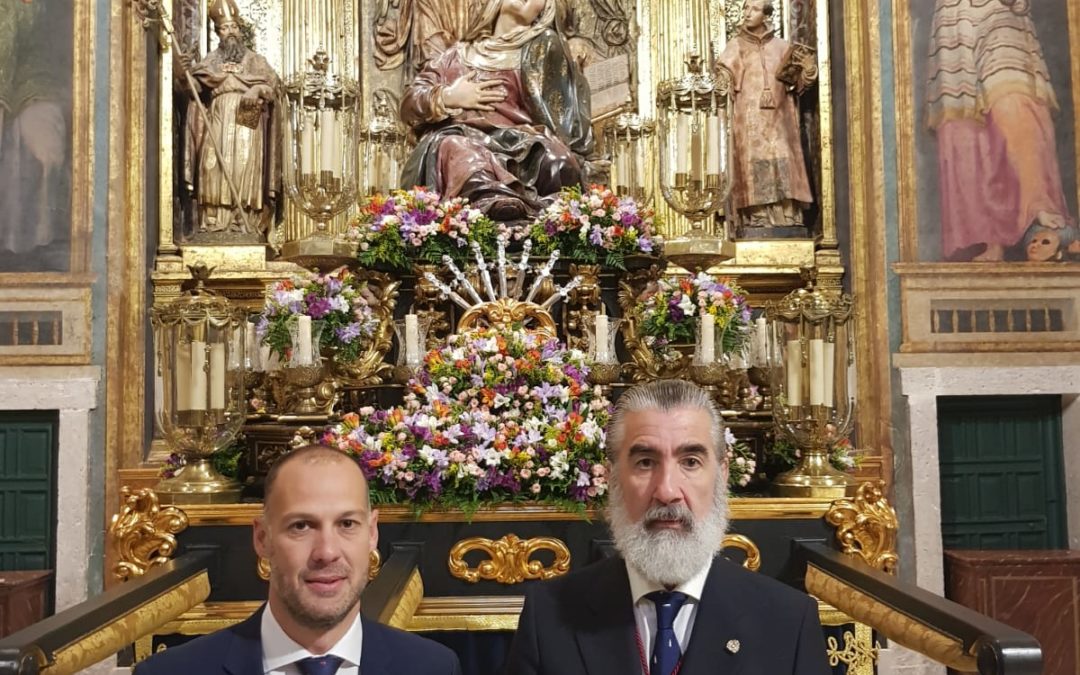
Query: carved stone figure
[231,161]
[991,103]
[770,185]
[502,118]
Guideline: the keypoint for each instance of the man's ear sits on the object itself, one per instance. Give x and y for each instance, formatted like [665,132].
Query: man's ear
[373,525]
[259,537]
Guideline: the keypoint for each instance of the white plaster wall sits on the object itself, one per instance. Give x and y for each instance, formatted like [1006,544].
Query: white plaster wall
[73,392]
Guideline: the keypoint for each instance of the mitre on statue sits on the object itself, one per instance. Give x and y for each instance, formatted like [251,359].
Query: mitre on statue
[222,11]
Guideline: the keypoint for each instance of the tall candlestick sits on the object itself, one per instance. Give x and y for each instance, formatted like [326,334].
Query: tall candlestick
[236,341]
[830,373]
[327,139]
[268,360]
[412,340]
[182,371]
[217,376]
[794,373]
[713,145]
[817,371]
[602,355]
[302,357]
[708,338]
[682,143]
[307,144]
[251,346]
[198,375]
[761,343]
[621,166]
[639,165]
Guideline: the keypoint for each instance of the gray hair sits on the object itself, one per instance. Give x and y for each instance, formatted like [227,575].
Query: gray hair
[664,395]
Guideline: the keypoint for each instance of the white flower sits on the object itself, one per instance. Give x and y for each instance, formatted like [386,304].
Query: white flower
[729,438]
[686,304]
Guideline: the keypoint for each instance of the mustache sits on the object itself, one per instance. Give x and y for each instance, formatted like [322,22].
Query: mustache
[328,571]
[670,512]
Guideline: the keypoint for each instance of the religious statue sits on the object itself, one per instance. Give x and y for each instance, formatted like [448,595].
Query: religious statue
[991,103]
[502,118]
[35,156]
[770,186]
[231,159]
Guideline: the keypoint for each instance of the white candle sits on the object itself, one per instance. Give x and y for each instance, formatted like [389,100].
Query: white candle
[830,372]
[236,345]
[713,145]
[198,375]
[217,376]
[817,371]
[761,343]
[639,165]
[182,371]
[622,166]
[327,140]
[708,338]
[794,373]
[302,357]
[682,143]
[268,361]
[307,146]
[697,160]
[392,177]
[602,355]
[412,340]
[251,346]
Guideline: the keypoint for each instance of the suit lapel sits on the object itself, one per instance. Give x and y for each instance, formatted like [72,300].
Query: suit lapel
[374,659]
[606,642]
[716,623]
[244,652]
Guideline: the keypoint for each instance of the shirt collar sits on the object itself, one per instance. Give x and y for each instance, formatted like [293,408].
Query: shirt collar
[692,587]
[279,650]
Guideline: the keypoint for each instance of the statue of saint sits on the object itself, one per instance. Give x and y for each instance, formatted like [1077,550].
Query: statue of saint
[503,118]
[231,160]
[770,186]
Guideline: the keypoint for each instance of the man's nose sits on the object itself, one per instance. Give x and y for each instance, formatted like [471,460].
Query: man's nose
[327,547]
[668,486]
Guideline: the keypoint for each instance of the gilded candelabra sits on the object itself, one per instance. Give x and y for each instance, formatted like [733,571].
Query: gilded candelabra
[632,141]
[812,345]
[199,343]
[320,111]
[694,130]
[382,150]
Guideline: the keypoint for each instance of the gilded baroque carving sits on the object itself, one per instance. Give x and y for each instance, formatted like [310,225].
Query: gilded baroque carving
[746,545]
[369,368]
[643,365]
[508,559]
[866,526]
[505,313]
[143,533]
[858,655]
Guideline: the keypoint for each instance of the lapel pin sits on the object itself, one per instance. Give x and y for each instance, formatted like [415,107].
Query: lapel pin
[733,646]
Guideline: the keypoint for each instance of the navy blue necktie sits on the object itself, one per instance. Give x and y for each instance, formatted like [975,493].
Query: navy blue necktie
[666,652]
[319,665]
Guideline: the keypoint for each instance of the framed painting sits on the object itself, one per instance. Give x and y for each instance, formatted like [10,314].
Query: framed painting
[45,153]
[988,91]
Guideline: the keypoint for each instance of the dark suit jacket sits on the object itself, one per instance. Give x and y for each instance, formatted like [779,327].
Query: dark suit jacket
[238,651]
[583,624]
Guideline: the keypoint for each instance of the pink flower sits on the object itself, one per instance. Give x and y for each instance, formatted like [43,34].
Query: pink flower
[535,488]
[525,474]
[543,471]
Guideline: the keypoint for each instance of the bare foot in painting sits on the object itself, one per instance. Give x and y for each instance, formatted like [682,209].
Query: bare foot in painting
[993,253]
[1054,221]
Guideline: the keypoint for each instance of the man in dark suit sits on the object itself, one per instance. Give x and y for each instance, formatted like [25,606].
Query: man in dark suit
[317,530]
[668,604]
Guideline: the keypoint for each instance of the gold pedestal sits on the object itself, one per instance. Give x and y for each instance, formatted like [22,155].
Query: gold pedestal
[814,478]
[319,251]
[692,251]
[198,483]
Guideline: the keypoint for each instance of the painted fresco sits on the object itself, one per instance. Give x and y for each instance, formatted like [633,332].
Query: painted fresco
[995,131]
[35,135]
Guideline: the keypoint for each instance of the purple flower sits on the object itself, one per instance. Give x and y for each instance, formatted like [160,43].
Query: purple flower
[348,332]
[317,307]
[596,236]
[645,244]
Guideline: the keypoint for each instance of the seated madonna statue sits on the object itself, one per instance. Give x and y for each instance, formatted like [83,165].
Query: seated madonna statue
[502,118]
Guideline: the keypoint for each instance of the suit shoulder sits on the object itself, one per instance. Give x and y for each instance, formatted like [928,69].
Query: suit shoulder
[192,656]
[407,647]
[760,586]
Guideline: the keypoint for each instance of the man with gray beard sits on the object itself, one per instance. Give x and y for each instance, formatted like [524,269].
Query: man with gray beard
[668,604]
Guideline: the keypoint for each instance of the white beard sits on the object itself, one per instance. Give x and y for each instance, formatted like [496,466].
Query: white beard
[668,557]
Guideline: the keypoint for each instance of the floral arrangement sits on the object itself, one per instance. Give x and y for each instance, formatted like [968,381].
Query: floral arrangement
[490,417]
[842,455]
[742,464]
[414,224]
[340,307]
[669,311]
[587,225]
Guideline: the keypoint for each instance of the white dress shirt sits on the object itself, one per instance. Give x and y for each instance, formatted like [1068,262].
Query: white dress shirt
[280,652]
[645,610]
